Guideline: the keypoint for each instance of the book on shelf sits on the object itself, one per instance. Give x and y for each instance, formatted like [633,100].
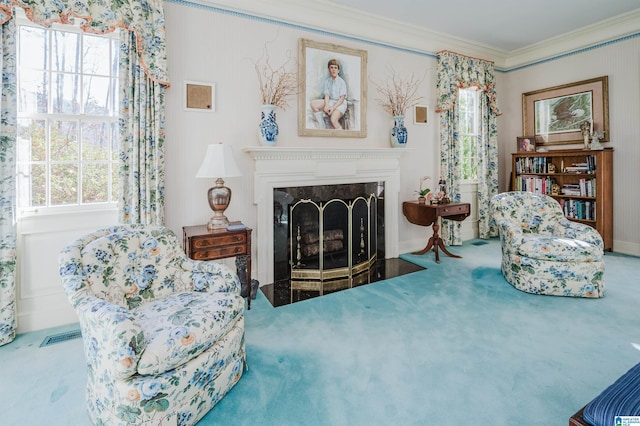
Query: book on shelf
[578,209]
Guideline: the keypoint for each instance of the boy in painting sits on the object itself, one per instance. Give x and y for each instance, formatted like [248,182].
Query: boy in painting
[334,103]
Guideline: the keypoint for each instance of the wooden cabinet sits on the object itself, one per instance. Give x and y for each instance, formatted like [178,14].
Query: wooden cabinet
[580,180]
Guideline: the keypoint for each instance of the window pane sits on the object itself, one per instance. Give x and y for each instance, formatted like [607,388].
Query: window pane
[115,98]
[114,143]
[115,49]
[32,53]
[38,185]
[95,183]
[65,47]
[64,184]
[64,140]
[95,59]
[96,95]
[95,141]
[66,93]
[32,143]
[33,94]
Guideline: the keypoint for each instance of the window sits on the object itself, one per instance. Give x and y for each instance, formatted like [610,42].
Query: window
[67,147]
[468,132]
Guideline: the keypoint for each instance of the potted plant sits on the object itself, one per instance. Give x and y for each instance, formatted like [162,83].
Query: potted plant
[396,96]
[276,85]
[423,193]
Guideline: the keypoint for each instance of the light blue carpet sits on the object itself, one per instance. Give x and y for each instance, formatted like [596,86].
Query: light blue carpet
[453,344]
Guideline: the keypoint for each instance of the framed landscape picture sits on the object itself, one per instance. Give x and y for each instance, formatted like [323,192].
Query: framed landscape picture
[555,115]
[315,62]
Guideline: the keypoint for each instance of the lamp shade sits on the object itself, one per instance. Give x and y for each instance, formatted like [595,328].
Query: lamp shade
[218,162]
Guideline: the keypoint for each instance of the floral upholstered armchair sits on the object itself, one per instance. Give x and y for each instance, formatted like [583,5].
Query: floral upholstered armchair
[545,253]
[163,334]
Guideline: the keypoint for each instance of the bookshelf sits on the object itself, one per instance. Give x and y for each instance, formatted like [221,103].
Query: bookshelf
[580,180]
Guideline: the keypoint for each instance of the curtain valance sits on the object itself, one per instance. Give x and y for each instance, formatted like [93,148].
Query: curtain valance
[144,18]
[457,71]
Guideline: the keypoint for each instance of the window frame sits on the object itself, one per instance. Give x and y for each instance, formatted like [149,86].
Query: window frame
[476,129]
[111,120]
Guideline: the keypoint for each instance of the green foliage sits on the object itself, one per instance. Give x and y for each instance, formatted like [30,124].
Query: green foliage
[128,414]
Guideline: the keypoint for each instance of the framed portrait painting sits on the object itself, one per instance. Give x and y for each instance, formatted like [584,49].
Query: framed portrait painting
[332,100]
[558,114]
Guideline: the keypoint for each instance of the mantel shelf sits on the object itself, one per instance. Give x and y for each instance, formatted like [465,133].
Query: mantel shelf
[279,153]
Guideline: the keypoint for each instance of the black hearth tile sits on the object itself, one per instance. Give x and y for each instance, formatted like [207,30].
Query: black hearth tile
[279,293]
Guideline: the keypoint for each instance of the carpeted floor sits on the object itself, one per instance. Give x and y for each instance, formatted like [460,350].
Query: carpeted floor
[453,344]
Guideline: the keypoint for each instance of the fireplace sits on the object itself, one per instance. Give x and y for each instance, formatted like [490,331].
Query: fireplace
[277,167]
[327,237]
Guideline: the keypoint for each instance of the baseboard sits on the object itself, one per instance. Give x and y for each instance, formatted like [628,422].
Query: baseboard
[625,247]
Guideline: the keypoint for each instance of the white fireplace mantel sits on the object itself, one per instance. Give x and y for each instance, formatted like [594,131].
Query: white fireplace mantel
[277,167]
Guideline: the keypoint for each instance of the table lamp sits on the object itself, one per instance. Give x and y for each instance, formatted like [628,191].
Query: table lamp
[218,163]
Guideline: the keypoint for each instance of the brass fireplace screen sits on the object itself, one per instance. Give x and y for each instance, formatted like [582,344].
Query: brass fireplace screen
[333,244]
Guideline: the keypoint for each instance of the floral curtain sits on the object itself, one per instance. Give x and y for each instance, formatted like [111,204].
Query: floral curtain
[8,134]
[455,72]
[146,65]
[141,179]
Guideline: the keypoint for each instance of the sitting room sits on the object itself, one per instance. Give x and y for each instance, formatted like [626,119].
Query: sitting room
[322,213]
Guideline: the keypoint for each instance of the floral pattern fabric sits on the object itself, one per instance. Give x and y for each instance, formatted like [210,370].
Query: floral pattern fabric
[163,334]
[8,133]
[460,72]
[545,253]
[142,120]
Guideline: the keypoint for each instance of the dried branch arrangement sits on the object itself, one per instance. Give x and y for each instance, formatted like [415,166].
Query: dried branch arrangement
[397,94]
[276,84]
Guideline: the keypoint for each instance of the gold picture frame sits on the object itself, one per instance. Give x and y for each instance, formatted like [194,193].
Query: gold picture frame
[199,96]
[313,72]
[420,114]
[554,115]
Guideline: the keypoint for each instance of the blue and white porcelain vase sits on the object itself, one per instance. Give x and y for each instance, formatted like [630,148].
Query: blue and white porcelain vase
[268,128]
[399,132]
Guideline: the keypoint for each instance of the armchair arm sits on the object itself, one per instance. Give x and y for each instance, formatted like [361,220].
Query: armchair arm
[211,276]
[510,235]
[579,231]
[113,340]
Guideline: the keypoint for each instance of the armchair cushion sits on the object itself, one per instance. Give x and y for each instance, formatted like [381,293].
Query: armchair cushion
[559,249]
[179,327]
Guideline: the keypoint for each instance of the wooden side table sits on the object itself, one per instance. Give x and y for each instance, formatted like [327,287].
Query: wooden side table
[427,214]
[202,244]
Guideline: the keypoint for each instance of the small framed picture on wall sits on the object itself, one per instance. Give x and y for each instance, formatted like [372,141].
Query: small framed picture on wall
[526,144]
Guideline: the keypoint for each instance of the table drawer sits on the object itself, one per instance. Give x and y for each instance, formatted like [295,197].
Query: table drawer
[451,210]
[219,252]
[222,240]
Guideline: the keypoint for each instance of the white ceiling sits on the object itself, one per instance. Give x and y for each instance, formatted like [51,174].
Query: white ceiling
[505,25]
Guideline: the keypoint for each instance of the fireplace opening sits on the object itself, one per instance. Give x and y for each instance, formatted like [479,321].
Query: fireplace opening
[327,238]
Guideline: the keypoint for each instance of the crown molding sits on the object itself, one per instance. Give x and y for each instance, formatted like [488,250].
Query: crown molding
[337,20]
[603,32]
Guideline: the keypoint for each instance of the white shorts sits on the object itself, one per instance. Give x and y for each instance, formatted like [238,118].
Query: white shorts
[343,106]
